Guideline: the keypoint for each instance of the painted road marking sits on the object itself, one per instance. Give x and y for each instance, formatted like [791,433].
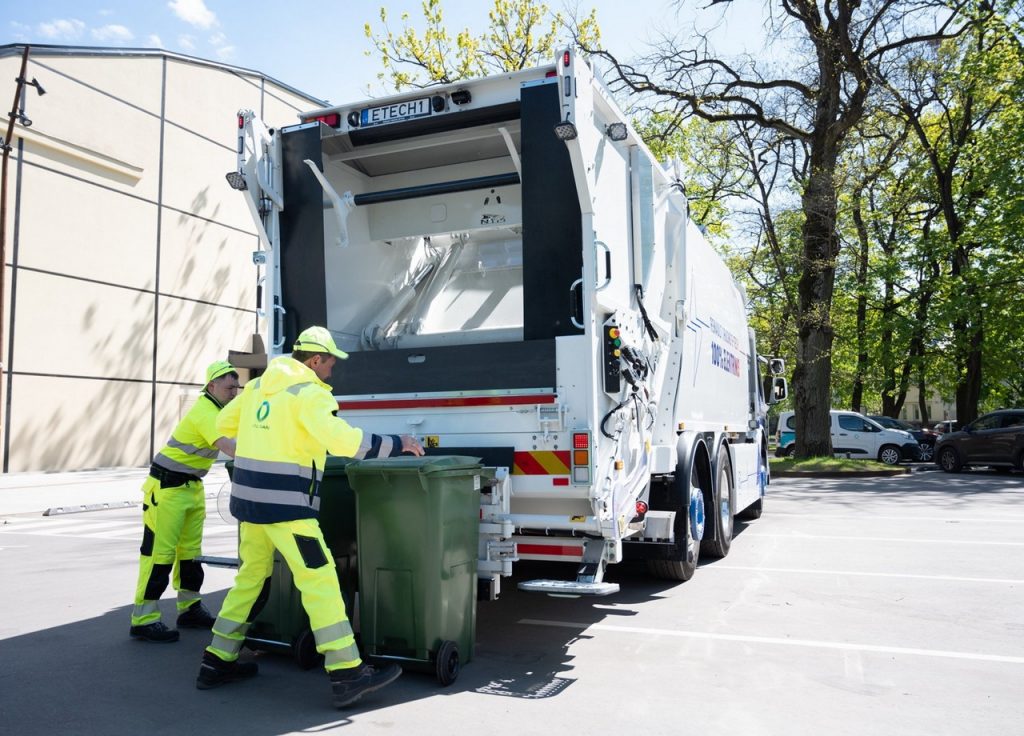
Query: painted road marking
[798,535]
[807,643]
[944,578]
[867,516]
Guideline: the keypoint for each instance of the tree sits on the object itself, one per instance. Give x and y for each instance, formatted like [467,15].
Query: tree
[841,45]
[520,34]
[961,99]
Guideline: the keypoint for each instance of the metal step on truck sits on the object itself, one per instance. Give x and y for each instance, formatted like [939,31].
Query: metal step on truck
[516,278]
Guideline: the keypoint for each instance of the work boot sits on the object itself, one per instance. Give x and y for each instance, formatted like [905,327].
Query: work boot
[155,631]
[351,684]
[195,617]
[214,671]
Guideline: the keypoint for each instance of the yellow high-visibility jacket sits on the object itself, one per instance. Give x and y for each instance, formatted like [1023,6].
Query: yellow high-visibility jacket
[285,423]
[190,449]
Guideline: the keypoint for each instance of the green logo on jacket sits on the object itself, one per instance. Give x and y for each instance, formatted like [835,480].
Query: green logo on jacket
[263,411]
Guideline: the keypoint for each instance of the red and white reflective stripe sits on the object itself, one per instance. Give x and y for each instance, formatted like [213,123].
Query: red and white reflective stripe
[550,550]
[441,402]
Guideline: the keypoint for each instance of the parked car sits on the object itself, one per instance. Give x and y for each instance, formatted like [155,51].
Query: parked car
[926,438]
[855,436]
[995,439]
[947,425]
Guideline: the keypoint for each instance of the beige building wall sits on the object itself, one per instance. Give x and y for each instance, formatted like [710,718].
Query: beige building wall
[938,408]
[128,257]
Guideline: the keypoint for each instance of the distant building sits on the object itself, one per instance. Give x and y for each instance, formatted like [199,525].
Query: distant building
[128,258]
[938,408]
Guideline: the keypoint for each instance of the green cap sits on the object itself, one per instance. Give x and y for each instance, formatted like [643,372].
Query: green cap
[217,369]
[318,340]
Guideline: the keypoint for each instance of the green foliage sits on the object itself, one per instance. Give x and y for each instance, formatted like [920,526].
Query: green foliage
[520,34]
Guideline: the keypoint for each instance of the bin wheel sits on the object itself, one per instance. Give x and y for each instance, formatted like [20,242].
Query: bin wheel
[304,649]
[447,662]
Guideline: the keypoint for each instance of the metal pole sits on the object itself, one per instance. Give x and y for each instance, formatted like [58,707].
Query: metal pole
[11,117]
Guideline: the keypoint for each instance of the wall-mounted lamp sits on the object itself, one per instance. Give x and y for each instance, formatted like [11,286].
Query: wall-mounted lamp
[33,83]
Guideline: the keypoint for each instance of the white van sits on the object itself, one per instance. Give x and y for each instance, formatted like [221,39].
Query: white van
[855,436]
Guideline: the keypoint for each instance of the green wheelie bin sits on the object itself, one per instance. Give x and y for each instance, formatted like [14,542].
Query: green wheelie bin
[282,625]
[418,524]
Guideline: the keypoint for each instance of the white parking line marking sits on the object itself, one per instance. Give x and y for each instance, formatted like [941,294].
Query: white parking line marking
[70,528]
[944,578]
[867,516]
[798,535]
[809,643]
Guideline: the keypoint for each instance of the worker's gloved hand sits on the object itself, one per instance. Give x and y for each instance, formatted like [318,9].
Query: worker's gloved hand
[411,444]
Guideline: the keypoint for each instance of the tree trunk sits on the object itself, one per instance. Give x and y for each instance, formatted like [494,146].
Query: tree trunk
[862,305]
[812,376]
[968,388]
[968,339]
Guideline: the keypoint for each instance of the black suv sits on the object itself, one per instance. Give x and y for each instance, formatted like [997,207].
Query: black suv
[995,439]
[925,438]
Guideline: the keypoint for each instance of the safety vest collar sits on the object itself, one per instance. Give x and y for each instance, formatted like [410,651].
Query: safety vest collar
[209,396]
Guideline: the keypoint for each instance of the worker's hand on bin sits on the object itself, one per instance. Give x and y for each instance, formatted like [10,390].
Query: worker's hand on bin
[411,444]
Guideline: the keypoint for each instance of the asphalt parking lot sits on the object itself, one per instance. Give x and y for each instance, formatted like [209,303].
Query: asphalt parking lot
[877,605]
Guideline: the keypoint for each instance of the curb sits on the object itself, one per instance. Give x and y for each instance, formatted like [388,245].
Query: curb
[58,510]
[851,474]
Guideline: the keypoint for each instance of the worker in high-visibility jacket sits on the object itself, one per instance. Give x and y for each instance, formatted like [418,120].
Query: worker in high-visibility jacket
[174,509]
[284,423]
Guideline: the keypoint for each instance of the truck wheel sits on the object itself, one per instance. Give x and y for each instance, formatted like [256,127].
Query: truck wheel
[447,665]
[889,454]
[718,544]
[689,527]
[949,460]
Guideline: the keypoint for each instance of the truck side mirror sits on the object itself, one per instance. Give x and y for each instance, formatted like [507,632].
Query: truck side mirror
[779,390]
[776,366]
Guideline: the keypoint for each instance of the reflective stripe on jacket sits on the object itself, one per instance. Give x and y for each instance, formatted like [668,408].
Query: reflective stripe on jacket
[191,449]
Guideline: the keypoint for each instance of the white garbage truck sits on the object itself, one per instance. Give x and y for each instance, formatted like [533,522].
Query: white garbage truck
[515,278]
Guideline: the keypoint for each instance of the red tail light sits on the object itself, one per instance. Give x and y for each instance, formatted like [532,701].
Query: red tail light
[332,119]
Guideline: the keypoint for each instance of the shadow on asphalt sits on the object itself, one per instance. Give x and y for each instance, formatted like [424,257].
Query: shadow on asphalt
[926,485]
[89,677]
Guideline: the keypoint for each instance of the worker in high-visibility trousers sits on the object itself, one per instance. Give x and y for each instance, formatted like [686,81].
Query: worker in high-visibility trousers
[284,423]
[174,509]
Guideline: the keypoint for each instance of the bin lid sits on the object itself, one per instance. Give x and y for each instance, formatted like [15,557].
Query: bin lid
[412,464]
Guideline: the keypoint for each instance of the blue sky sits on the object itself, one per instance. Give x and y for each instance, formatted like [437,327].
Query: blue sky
[317,47]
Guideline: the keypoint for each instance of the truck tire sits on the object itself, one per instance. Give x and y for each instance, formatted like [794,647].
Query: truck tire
[718,538]
[689,508]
